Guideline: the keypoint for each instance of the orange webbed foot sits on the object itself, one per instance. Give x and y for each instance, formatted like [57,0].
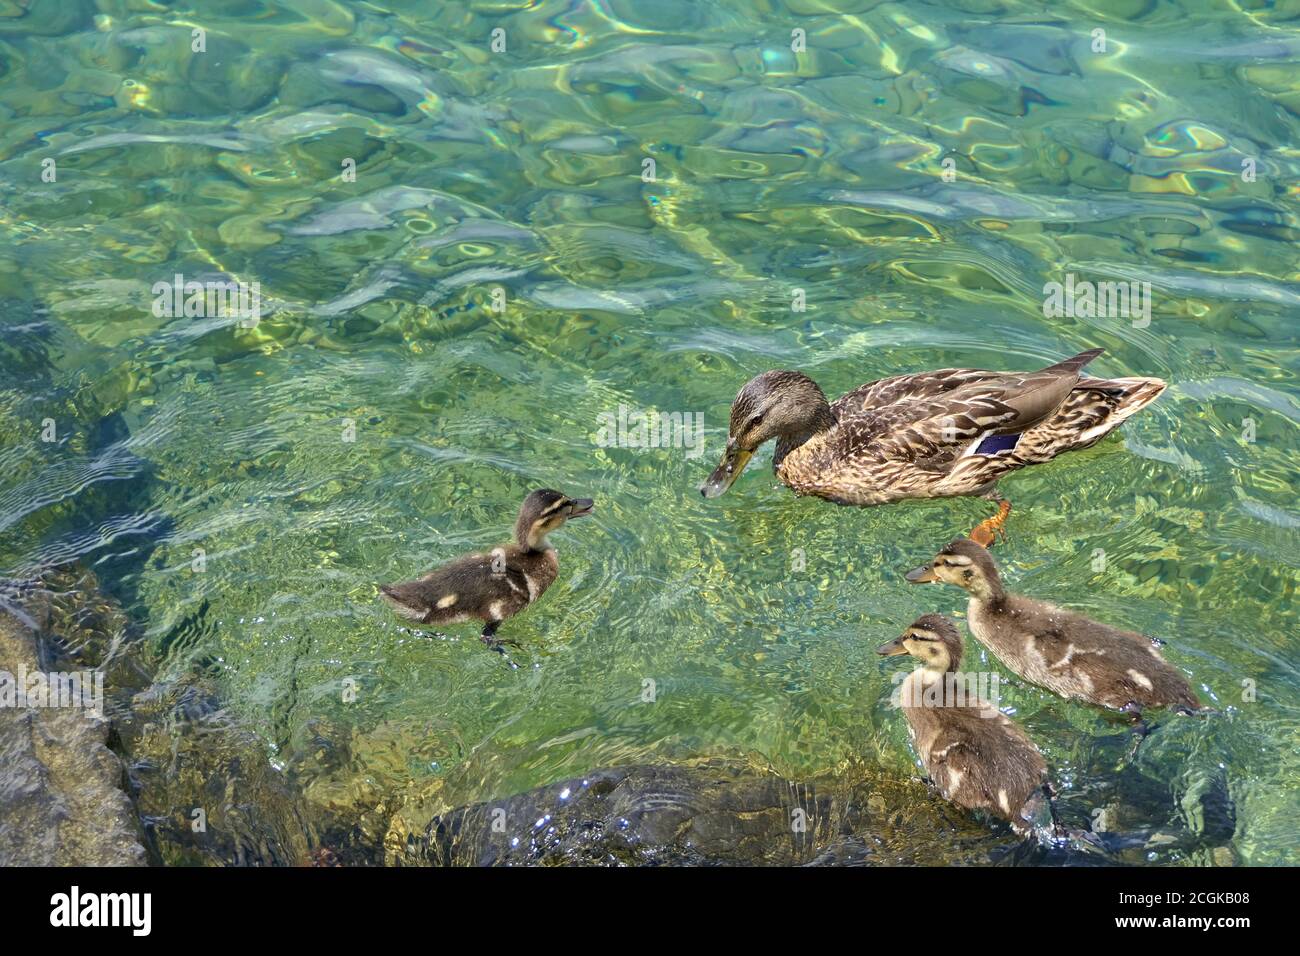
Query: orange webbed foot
[988,530]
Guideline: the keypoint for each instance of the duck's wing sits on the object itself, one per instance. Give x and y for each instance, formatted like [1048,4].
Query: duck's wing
[905,388]
[933,418]
[905,450]
[920,436]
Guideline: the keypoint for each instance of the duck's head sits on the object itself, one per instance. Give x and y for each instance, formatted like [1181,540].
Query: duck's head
[963,563]
[773,404]
[545,511]
[932,639]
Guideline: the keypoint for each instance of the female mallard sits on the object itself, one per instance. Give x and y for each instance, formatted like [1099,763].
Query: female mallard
[498,584]
[955,431]
[975,755]
[1069,654]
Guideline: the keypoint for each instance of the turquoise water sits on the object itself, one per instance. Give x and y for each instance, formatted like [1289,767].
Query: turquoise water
[383,416]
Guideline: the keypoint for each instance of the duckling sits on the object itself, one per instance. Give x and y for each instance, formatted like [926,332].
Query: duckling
[495,586]
[1069,654]
[976,756]
[954,431]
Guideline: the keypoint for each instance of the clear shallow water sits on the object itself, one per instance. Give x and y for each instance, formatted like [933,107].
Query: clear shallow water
[522,170]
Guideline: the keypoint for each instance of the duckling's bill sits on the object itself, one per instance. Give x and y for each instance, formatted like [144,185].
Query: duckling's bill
[892,648]
[724,476]
[922,575]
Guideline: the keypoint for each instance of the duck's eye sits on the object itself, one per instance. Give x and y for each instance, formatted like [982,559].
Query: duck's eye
[756,420]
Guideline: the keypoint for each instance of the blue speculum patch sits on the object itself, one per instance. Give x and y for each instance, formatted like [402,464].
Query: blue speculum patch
[995,444]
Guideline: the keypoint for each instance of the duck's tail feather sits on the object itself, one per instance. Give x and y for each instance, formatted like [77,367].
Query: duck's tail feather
[1133,393]
[401,603]
[1075,362]
[1127,396]
[1093,409]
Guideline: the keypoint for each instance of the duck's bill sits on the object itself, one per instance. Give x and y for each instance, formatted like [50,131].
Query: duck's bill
[892,648]
[921,575]
[725,475]
[580,507]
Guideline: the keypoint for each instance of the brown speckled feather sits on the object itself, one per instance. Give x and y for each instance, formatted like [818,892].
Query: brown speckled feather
[977,757]
[911,436]
[1077,657]
[1066,652]
[491,586]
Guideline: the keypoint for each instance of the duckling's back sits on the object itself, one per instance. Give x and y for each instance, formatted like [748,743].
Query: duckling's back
[1078,657]
[488,587]
[979,759]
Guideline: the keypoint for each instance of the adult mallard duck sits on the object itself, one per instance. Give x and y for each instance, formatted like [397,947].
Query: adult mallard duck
[975,755]
[1069,654]
[495,585]
[955,431]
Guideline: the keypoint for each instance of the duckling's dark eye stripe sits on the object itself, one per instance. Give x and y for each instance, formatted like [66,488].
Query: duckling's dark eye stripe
[554,508]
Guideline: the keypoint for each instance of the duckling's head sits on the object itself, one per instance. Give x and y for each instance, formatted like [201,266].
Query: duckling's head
[932,639]
[777,403]
[965,564]
[545,511]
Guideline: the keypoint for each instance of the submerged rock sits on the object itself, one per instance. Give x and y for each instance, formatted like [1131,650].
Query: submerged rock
[709,814]
[206,786]
[722,813]
[61,796]
[192,786]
